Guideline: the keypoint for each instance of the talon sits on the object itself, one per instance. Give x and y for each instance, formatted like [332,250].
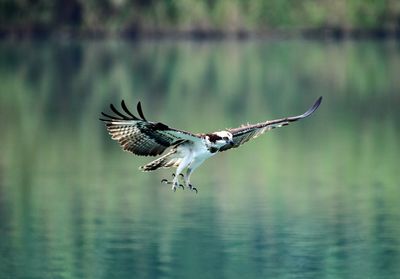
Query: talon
[192,188]
[166,181]
[173,174]
[180,185]
[182,175]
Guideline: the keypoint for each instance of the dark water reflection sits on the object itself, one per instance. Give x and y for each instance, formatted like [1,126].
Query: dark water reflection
[319,199]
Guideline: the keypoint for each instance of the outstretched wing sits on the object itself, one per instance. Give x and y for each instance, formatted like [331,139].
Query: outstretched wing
[142,137]
[247,132]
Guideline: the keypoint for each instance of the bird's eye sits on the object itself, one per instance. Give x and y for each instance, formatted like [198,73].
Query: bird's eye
[225,138]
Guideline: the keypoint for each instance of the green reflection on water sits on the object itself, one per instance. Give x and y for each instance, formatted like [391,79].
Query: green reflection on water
[317,199]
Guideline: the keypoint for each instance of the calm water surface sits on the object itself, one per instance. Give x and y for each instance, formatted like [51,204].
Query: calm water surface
[317,199]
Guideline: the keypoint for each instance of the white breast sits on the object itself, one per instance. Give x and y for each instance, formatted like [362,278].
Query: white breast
[194,154]
[200,151]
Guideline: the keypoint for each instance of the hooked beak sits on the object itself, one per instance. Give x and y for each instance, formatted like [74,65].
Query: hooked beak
[231,142]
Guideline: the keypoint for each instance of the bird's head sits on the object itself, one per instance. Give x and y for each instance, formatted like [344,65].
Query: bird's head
[221,138]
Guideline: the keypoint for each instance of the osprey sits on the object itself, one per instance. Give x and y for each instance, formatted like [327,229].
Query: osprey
[187,150]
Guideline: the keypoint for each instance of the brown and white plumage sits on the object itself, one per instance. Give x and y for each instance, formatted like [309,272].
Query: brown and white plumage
[187,150]
[142,137]
[245,133]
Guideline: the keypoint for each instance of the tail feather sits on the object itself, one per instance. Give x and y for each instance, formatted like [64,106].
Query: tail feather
[166,161]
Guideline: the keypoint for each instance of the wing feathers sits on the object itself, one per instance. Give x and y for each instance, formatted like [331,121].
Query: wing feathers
[308,112]
[108,116]
[146,138]
[245,133]
[118,113]
[139,109]
[127,110]
[139,136]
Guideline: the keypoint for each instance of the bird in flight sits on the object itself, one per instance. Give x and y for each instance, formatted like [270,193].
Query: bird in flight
[186,150]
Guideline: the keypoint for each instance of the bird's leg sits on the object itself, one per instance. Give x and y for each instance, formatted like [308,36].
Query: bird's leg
[177,180]
[183,164]
[187,180]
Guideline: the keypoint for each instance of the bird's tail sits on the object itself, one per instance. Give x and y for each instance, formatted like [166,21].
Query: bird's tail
[167,161]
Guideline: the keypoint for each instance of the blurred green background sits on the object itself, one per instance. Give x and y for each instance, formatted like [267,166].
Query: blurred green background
[199,18]
[317,199]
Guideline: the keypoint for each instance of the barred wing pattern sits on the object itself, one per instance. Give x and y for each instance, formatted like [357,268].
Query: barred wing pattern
[142,137]
[243,134]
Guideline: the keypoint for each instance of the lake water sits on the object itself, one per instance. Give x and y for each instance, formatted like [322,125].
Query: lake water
[317,199]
